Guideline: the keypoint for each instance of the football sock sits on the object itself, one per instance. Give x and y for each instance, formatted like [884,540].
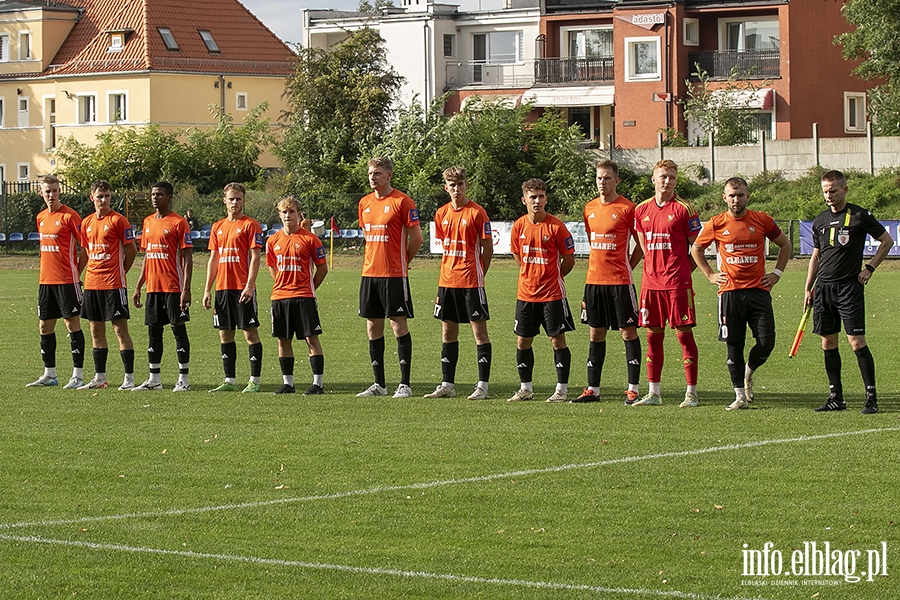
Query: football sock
[376,354]
[633,359]
[76,339]
[449,358]
[404,356]
[563,360]
[689,354]
[48,350]
[256,351]
[484,353]
[833,370]
[525,364]
[596,357]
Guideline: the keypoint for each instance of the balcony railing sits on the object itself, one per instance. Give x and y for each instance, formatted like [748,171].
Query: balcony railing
[573,70]
[742,64]
[489,75]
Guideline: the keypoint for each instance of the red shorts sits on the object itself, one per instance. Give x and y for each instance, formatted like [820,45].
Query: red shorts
[674,306]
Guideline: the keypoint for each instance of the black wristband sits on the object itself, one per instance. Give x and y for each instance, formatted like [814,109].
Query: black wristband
[870,268]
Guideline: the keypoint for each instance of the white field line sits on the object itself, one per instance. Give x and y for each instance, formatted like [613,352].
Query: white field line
[440,482]
[642,593]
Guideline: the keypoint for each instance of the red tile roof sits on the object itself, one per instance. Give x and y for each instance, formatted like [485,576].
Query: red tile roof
[246,46]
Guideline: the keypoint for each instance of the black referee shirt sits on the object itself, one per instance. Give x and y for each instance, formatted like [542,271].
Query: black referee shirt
[840,238]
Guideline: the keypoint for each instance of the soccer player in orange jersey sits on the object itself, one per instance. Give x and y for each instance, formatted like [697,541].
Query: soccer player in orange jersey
[666,228]
[234,247]
[59,285]
[393,236]
[167,269]
[609,299]
[464,230]
[744,286]
[107,253]
[296,260]
[545,252]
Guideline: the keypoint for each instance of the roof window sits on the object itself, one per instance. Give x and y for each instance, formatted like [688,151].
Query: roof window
[168,39]
[209,41]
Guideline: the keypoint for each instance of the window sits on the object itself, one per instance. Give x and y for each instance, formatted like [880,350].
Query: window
[168,39]
[118,107]
[498,47]
[591,43]
[209,41]
[50,123]
[240,101]
[749,35]
[854,112]
[642,59]
[2,112]
[449,44]
[116,42]
[4,48]
[87,109]
[24,45]
[24,120]
[23,171]
[691,32]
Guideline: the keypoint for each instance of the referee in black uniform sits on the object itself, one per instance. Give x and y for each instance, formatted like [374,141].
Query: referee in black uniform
[834,285]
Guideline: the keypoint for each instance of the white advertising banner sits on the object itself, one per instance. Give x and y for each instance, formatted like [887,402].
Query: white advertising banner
[501,230]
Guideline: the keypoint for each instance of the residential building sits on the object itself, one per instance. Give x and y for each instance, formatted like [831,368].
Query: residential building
[621,70]
[80,67]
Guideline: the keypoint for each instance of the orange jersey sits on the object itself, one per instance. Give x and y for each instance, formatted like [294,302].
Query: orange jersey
[461,231]
[742,246]
[294,257]
[162,241]
[385,223]
[539,247]
[609,227]
[233,240]
[60,233]
[104,239]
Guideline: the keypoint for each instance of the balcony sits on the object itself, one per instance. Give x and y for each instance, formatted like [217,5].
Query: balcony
[573,70]
[741,64]
[479,73]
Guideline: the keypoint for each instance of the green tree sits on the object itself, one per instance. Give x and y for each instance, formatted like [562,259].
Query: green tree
[339,101]
[876,41]
[723,111]
[374,7]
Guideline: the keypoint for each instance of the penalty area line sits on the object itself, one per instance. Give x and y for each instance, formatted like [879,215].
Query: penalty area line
[441,482]
[642,593]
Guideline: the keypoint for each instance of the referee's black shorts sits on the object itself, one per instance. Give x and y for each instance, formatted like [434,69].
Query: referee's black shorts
[381,297]
[609,306]
[106,305]
[739,309]
[229,313]
[554,316]
[461,305]
[164,308]
[841,301]
[295,317]
[59,301]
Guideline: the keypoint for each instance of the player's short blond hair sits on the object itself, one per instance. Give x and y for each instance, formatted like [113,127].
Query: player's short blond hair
[287,203]
[455,174]
[665,164]
[382,162]
[236,187]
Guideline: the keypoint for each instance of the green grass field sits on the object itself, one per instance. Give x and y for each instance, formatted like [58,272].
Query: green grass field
[194,495]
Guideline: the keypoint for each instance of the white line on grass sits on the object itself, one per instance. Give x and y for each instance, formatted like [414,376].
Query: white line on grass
[374,571]
[439,482]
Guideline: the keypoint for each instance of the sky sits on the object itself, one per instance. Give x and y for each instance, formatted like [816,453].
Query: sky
[283,16]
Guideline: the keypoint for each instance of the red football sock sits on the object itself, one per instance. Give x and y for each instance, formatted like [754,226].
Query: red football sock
[655,355]
[689,352]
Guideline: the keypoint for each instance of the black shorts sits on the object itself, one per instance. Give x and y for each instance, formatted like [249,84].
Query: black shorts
[295,317]
[609,306]
[229,313]
[106,305]
[164,308]
[739,309]
[461,305]
[554,316]
[57,301]
[381,297]
[835,302]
